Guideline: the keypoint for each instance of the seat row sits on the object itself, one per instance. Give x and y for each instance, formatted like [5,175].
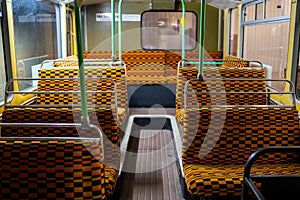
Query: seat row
[53,94]
[66,160]
[148,67]
[225,118]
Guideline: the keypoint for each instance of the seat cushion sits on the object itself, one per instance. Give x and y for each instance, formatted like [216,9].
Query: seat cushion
[179,115]
[227,180]
[111,177]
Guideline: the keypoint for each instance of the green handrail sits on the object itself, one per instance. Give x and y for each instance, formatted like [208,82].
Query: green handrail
[113,30]
[120,28]
[201,37]
[85,119]
[204,62]
[182,31]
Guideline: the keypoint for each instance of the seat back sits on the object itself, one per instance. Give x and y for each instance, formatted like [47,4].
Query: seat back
[105,87]
[231,135]
[51,170]
[212,92]
[234,61]
[185,74]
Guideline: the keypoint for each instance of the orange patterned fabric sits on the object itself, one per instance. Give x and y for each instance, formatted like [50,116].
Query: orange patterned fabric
[234,61]
[101,84]
[185,74]
[153,67]
[227,180]
[105,118]
[51,170]
[218,141]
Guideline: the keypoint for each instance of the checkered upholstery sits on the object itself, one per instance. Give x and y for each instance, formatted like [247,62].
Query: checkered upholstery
[134,59]
[56,85]
[97,54]
[173,57]
[152,67]
[100,80]
[111,177]
[105,118]
[187,73]
[145,67]
[233,62]
[65,63]
[39,115]
[218,141]
[210,92]
[51,170]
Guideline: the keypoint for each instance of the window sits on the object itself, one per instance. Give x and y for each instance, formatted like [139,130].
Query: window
[277,8]
[2,69]
[36,39]
[70,33]
[267,9]
[162,30]
[266,35]
[233,40]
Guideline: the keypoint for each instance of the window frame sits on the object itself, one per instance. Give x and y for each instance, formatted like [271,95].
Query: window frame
[56,41]
[296,53]
[6,48]
[280,19]
[229,30]
[265,21]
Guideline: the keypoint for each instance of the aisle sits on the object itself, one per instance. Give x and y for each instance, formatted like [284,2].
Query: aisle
[151,165]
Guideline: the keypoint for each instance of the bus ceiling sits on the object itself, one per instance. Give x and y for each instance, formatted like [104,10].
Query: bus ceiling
[221,4]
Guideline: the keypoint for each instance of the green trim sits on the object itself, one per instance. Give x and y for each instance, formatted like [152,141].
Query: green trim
[120,28]
[183,33]
[201,36]
[113,30]
[81,64]
[204,62]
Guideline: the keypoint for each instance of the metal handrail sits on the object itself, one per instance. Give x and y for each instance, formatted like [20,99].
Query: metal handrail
[66,125]
[78,27]
[220,61]
[92,61]
[248,184]
[292,92]
[7,92]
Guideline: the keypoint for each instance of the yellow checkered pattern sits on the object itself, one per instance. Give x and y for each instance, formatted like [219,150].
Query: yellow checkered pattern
[233,61]
[187,73]
[218,141]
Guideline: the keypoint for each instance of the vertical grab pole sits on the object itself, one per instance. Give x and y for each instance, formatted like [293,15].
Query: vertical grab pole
[85,119]
[183,33]
[113,31]
[201,38]
[120,28]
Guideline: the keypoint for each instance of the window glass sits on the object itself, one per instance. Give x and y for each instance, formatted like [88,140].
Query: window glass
[268,43]
[287,7]
[260,11]
[249,13]
[70,34]
[233,32]
[35,31]
[2,69]
[162,30]
[274,8]
[267,9]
